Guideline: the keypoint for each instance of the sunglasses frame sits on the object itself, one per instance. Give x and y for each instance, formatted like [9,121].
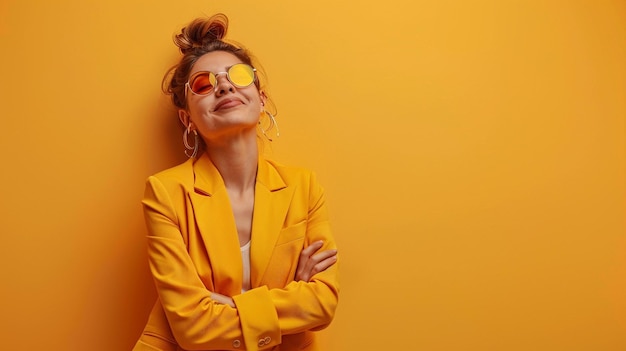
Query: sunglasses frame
[193,77]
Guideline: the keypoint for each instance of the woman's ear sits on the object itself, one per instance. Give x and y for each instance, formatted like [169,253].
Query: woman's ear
[263,99]
[184,117]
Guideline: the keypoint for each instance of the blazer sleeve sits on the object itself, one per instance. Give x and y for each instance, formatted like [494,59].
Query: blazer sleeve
[300,305]
[196,321]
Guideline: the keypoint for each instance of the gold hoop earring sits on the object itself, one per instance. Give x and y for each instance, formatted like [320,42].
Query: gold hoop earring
[196,142]
[272,125]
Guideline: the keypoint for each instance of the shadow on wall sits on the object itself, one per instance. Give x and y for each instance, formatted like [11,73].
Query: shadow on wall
[161,148]
[164,131]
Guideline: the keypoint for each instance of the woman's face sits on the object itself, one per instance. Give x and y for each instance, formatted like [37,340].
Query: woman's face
[227,110]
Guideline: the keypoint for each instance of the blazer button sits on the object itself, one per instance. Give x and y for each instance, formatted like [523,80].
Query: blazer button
[265,341]
[236,344]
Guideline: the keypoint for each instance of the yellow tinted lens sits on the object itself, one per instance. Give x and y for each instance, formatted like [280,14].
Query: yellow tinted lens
[241,75]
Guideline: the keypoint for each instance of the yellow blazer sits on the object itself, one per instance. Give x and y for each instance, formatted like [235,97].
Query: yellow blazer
[194,249]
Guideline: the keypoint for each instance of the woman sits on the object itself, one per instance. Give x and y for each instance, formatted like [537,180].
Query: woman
[239,246]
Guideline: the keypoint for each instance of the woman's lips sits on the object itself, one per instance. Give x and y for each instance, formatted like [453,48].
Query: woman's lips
[226,104]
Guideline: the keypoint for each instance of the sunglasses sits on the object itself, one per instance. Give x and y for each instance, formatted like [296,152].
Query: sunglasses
[204,82]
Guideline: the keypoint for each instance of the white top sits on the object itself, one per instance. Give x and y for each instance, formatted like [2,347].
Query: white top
[245,257]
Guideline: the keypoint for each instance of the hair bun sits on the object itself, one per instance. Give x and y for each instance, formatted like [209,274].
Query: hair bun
[201,32]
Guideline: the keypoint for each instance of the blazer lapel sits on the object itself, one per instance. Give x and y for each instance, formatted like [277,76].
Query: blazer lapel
[215,220]
[271,203]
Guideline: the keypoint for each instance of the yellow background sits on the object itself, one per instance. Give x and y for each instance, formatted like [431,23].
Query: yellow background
[473,153]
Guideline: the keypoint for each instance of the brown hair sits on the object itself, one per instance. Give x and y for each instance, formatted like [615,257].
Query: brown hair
[201,36]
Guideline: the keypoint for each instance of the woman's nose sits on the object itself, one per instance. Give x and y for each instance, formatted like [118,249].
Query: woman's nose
[223,86]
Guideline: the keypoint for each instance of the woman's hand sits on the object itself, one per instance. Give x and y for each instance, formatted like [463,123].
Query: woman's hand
[312,262]
[224,300]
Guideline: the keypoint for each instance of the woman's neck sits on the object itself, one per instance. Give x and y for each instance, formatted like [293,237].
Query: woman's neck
[237,162]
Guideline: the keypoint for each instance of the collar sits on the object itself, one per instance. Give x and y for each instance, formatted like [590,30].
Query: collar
[208,180]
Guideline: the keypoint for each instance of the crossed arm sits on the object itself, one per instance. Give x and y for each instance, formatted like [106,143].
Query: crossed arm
[310,263]
[202,319]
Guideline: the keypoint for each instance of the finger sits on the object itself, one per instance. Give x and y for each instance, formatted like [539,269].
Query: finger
[307,269]
[323,255]
[311,249]
[219,298]
[301,274]
[320,267]
[303,277]
[323,265]
[304,266]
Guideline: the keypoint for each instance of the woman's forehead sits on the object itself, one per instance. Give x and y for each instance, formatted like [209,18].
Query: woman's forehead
[215,61]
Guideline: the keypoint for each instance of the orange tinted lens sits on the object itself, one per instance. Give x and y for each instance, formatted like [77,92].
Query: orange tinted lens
[201,84]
